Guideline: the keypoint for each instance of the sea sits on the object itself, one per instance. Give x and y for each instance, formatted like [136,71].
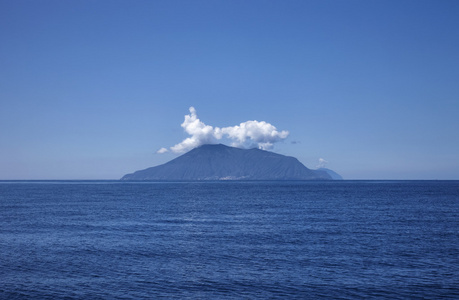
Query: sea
[229,240]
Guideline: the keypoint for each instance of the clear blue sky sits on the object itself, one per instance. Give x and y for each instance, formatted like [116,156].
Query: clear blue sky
[92,89]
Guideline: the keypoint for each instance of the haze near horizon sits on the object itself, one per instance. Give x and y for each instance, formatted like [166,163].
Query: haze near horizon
[93,89]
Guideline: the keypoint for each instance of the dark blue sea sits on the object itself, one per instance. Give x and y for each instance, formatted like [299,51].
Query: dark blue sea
[229,240]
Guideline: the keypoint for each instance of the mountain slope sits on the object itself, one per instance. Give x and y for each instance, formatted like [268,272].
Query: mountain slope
[333,174]
[219,162]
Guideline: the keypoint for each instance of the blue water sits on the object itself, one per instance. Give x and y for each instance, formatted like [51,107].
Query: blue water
[229,240]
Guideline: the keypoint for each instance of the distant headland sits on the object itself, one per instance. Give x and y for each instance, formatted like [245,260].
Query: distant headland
[221,162]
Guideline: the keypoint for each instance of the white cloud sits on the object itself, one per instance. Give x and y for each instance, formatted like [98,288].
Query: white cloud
[200,133]
[162,150]
[249,133]
[261,133]
[322,163]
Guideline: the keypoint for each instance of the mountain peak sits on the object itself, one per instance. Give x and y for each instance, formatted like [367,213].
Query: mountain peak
[213,146]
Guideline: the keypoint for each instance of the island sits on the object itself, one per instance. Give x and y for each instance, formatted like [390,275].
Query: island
[221,162]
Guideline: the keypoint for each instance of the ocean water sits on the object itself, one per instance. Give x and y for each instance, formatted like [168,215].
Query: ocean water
[229,240]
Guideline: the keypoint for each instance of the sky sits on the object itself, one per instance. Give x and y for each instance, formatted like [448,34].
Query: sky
[93,89]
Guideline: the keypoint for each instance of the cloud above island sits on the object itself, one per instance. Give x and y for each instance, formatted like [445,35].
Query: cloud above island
[322,163]
[247,134]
